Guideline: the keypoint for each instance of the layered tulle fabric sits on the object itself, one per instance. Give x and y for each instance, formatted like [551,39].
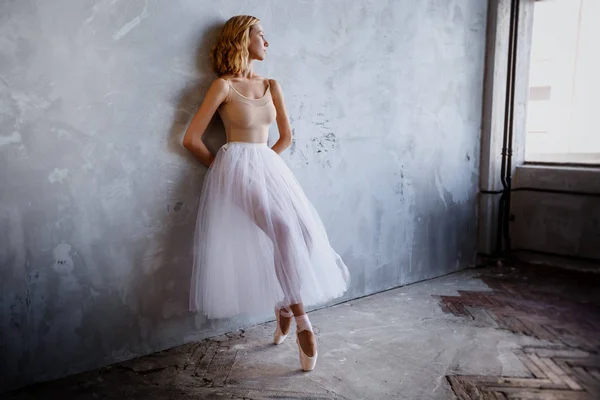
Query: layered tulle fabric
[259,240]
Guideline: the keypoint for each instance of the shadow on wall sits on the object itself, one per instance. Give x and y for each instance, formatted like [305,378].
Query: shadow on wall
[163,293]
[155,313]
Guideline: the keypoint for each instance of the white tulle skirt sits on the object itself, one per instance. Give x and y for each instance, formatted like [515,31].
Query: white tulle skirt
[258,240]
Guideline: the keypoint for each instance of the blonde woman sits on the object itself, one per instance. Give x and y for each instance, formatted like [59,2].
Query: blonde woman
[259,242]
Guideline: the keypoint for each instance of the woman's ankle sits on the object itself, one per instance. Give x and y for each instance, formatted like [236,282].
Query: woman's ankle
[303,323]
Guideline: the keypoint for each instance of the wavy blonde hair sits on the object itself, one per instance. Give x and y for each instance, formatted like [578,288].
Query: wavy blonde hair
[230,54]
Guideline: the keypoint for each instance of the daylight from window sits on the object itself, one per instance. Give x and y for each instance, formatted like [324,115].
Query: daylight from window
[563,110]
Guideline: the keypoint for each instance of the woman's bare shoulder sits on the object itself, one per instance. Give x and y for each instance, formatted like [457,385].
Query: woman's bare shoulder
[221,80]
[219,85]
[218,91]
[275,87]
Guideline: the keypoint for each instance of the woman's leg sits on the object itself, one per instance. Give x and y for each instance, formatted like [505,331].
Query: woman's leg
[276,227]
[272,221]
[283,262]
[290,283]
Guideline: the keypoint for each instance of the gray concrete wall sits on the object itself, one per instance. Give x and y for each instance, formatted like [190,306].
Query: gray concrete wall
[98,199]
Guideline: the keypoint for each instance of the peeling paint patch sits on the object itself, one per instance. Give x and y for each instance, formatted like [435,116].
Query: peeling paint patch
[177,207]
[62,260]
[58,175]
[14,138]
[325,143]
[293,146]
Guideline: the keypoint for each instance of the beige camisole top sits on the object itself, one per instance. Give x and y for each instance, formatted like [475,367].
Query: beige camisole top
[245,119]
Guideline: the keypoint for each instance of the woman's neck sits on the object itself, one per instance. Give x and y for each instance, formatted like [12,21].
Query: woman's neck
[249,72]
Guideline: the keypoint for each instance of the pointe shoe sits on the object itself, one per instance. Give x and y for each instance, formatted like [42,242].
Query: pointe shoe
[303,324]
[279,337]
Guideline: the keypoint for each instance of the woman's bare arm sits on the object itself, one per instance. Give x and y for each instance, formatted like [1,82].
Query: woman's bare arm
[192,140]
[283,123]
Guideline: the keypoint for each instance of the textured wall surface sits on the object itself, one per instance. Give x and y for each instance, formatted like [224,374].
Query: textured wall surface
[557,223]
[98,198]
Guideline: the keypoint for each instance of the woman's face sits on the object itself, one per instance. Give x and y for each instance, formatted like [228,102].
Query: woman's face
[257,48]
